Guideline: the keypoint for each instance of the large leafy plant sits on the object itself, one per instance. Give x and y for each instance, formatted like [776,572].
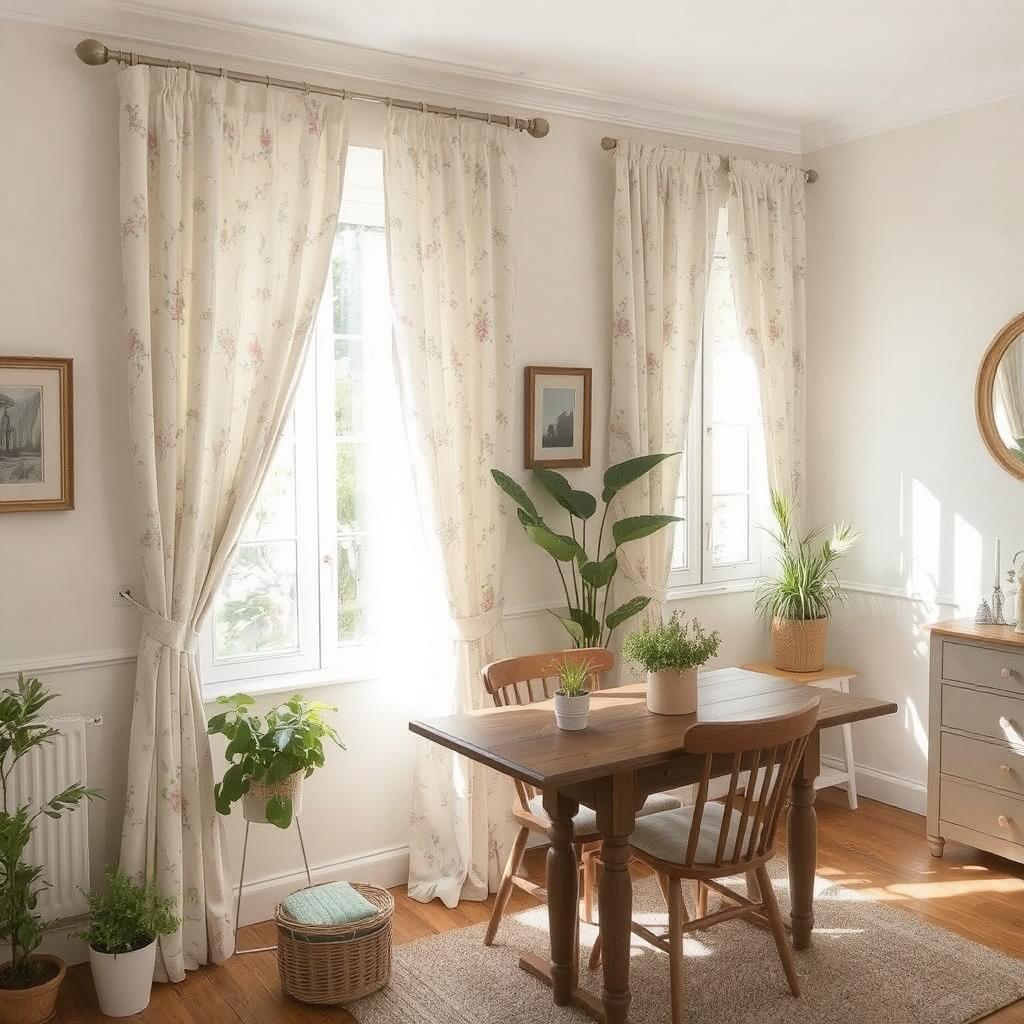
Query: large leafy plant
[288,739]
[676,644]
[586,580]
[21,732]
[125,917]
[805,583]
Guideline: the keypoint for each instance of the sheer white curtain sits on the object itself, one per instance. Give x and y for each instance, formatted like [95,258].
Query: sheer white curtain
[1010,388]
[666,218]
[229,201]
[767,258]
[450,190]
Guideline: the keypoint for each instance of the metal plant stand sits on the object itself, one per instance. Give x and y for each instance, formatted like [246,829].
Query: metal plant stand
[241,883]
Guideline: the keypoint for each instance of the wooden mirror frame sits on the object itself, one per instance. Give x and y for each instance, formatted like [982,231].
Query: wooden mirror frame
[984,392]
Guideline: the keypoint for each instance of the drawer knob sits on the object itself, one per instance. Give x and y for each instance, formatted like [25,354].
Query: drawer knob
[1004,769]
[1003,820]
[1006,673]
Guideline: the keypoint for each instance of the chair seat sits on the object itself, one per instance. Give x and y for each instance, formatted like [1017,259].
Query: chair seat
[585,822]
[665,835]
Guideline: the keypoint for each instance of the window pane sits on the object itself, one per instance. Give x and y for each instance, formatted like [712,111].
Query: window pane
[273,515]
[257,607]
[350,613]
[350,487]
[348,385]
[729,458]
[730,529]
[679,545]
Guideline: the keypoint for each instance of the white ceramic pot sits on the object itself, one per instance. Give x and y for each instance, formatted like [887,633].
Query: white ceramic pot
[671,692]
[123,980]
[571,712]
[254,803]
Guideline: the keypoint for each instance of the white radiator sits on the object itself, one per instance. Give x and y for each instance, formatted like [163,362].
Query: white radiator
[61,846]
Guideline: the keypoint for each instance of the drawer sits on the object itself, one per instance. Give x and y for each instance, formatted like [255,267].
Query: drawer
[994,814]
[983,666]
[987,714]
[987,763]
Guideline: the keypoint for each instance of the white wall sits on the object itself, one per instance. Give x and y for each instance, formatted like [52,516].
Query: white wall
[913,266]
[60,295]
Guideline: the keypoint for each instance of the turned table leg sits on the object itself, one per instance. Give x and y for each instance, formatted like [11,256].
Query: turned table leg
[802,844]
[563,896]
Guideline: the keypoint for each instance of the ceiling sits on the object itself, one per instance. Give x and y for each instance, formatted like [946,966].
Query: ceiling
[825,70]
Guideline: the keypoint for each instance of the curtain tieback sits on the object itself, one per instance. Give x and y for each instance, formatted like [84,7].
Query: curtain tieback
[179,636]
[471,628]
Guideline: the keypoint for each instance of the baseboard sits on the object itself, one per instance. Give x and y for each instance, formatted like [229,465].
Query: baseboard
[896,790]
[387,868]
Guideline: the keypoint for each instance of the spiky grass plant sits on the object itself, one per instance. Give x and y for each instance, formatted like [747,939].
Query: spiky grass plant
[572,676]
[805,584]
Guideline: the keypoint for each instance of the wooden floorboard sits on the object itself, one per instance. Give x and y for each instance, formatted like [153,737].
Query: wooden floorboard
[878,850]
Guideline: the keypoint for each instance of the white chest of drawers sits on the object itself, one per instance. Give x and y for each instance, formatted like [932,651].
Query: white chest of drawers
[976,738]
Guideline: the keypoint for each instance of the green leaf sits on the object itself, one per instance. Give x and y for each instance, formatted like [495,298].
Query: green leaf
[279,811]
[590,626]
[561,548]
[635,527]
[599,574]
[526,519]
[624,473]
[578,503]
[515,492]
[574,629]
[626,611]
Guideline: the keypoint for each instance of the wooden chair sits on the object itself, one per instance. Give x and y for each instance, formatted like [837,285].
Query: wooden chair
[525,680]
[710,841]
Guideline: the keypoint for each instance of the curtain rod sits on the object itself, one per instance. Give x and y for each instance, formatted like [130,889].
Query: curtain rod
[94,53]
[609,143]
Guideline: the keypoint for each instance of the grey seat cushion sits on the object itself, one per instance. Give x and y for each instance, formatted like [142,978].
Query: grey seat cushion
[667,834]
[585,822]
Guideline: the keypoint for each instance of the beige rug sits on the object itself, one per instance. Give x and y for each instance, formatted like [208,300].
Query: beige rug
[869,964]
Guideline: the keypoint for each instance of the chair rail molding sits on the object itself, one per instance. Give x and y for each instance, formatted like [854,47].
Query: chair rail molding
[74,662]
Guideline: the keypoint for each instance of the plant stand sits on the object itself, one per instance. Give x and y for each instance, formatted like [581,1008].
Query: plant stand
[241,884]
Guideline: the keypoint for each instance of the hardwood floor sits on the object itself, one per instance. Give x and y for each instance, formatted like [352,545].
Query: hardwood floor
[878,849]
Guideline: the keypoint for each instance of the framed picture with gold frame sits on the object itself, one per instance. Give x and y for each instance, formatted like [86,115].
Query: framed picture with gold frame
[557,416]
[37,453]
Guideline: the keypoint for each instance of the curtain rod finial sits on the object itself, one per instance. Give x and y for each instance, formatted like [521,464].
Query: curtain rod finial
[92,51]
[539,127]
[609,143]
[811,176]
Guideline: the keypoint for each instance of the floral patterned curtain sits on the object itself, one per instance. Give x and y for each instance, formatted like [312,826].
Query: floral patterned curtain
[768,258]
[666,218]
[229,200]
[450,189]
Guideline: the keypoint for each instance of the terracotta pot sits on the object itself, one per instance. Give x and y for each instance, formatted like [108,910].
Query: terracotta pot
[798,645]
[254,803]
[672,692]
[37,1004]
[571,712]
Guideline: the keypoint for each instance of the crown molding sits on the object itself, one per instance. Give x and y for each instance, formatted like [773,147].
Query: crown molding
[131,26]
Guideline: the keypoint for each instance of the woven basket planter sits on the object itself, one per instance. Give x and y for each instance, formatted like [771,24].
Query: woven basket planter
[338,963]
[798,645]
[254,803]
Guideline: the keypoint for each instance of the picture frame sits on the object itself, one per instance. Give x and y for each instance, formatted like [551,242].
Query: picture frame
[37,456]
[557,417]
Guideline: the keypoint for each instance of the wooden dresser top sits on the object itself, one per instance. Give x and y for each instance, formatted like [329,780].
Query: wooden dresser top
[968,629]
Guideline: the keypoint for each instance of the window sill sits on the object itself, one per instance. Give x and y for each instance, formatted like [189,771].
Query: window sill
[287,682]
[684,593]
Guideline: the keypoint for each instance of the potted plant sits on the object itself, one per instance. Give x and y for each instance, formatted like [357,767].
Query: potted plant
[270,757]
[797,600]
[671,652]
[125,921]
[572,698]
[586,581]
[29,981]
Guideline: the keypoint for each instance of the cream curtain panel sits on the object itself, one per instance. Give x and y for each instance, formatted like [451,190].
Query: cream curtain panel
[666,218]
[229,201]
[450,190]
[767,258]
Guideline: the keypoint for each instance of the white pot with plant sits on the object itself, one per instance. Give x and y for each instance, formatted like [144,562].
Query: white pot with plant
[125,921]
[797,600]
[671,652]
[572,698]
[270,755]
[29,981]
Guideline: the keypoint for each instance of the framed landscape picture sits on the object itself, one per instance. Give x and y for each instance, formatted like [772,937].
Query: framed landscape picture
[557,416]
[36,438]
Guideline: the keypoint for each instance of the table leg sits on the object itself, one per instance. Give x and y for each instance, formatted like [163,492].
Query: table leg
[563,897]
[802,843]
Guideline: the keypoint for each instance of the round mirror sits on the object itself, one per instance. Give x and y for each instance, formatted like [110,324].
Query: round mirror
[999,399]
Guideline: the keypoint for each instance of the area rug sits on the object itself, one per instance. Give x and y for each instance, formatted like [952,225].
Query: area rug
[869,964]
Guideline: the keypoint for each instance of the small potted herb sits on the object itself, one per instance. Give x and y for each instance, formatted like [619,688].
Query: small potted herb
[671,652]
[269,757]
[572,698]
[125,921]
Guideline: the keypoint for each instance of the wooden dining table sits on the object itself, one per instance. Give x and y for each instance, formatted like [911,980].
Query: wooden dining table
[625,754]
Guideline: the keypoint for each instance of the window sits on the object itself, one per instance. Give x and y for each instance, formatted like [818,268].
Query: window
[723,485]
[295,598]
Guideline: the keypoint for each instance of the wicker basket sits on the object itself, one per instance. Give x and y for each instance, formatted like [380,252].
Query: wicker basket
[798,645]
[337,963]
